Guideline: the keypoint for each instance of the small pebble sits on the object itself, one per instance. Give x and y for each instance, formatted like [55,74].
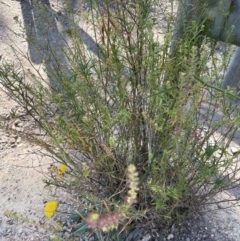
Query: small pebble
[19,231]
[170,236]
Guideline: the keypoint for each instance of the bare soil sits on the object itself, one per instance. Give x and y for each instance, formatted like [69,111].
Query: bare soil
[22,167]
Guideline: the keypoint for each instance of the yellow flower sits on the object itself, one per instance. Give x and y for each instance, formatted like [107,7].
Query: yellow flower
[62,170]
[50,208]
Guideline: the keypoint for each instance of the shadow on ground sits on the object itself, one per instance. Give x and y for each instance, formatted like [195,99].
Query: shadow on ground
[46,42]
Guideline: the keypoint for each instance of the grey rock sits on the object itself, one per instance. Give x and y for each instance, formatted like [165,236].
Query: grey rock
[235,150]
[3,232]
[12,140]
[19,139]
[146,237]
[213,230]
[170,236]
[3,139]
[20,231]
[9,221]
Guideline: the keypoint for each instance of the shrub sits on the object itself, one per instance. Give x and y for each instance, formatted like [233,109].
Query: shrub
[127,102]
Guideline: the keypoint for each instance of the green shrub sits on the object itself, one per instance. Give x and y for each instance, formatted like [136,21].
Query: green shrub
[130,103]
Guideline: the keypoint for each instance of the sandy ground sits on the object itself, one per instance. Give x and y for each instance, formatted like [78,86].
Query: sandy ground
[22,168]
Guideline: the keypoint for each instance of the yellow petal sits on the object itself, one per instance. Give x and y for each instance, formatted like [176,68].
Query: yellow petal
[62,169]
[50,208]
